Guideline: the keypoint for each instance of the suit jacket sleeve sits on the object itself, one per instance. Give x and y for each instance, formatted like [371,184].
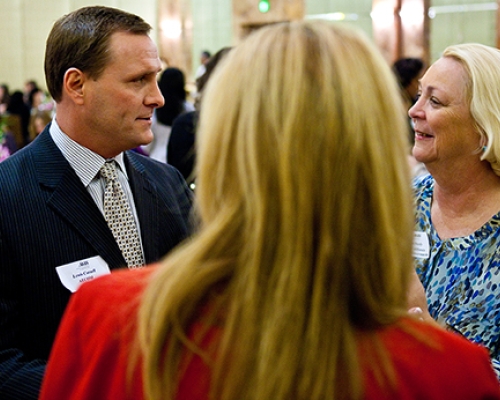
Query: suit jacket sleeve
[19,380]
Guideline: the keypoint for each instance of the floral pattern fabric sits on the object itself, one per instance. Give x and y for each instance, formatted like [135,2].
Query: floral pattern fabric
[461,276]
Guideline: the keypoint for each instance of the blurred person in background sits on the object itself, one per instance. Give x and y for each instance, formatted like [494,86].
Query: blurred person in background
[408,72]
[204,57]
[172,85]
[181,144]
[4,98]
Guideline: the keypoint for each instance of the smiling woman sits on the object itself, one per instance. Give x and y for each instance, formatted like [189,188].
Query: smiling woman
[457,124]
[444,128]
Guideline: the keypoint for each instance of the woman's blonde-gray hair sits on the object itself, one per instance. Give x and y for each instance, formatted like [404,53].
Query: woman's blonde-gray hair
[482,67]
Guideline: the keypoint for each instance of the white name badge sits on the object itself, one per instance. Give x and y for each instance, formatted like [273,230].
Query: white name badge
[421,248]
[72,275]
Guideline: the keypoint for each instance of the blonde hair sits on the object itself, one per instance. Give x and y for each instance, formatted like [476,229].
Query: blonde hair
[482,67]
[303,192]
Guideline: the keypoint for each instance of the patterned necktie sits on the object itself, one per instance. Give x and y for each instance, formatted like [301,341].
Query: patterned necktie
[119,217]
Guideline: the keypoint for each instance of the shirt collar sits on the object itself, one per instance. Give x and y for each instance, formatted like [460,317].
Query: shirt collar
[84,161]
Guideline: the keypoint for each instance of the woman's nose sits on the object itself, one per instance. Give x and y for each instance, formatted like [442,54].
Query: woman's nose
[415,110]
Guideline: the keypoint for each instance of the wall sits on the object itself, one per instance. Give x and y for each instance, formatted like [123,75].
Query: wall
[460,21]
[455,21]
[349,12]
[27,23]
[212,27]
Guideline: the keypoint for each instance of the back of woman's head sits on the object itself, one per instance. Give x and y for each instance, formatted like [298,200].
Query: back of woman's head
[482,66]
[303,191]
[306,143]
[172,85]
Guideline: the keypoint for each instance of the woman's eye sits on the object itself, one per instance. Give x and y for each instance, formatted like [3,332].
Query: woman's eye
[434,101]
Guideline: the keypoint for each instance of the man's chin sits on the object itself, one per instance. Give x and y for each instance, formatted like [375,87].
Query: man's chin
[146,138]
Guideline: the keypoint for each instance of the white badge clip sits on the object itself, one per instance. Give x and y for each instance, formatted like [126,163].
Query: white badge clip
[421,248]
[72,275]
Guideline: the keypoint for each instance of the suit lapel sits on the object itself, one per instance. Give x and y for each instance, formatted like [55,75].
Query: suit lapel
[71,200]
[146,204]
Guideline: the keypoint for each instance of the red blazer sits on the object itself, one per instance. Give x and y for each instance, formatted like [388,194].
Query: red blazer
[91,360]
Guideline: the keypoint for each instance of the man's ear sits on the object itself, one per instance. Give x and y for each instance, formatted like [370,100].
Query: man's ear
[73,82]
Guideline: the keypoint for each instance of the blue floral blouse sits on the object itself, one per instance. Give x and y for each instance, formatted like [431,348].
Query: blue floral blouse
[461,276]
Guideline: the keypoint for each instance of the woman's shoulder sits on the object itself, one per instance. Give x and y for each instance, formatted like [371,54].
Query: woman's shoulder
[108,303]
[442,364]
[119,286]
[412,332]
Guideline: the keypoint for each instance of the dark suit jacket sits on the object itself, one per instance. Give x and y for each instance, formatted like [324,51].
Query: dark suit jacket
[181,144]
[48,219]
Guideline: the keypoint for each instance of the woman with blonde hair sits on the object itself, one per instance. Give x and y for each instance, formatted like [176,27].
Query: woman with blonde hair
[295,286]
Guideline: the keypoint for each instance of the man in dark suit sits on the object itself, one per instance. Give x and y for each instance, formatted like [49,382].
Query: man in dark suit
[101,69]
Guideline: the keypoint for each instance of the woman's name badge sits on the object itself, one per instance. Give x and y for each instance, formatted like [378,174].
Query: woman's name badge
[72,275]
[421,248]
